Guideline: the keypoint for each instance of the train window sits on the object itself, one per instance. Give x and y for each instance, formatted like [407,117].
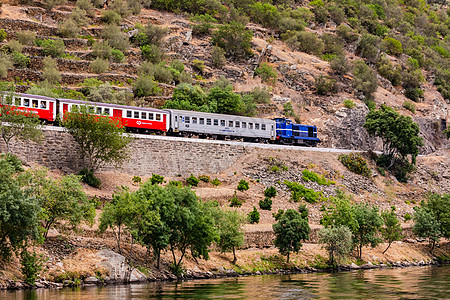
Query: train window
[222,122]
[238,124]
[230,123]
[256,126]
[26,102]
[34,103]
[244,125]
[17,101]
[136,115]
[128,113]
[43,105]
[201,121]
[208,121]
[250,125]
[216,122]
[263,126]
[158,117]
[91,109]
[150,116]
[106,112]
[194,120]
[99,110]
[187,120]
[143,115]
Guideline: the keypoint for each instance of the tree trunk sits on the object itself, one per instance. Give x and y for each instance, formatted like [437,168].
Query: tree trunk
[432,246]
[234,256]
[287,260]
[387,247]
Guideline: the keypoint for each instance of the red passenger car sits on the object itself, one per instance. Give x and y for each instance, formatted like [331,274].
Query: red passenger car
[44,107]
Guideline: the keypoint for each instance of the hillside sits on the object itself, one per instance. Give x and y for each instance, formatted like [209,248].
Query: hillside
[298,56]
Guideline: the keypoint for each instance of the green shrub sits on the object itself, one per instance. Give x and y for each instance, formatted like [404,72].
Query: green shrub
[312,176]
[349,103]
[198,65]
[50,72]
[31,266]
[13,46]
[339,64]
[20,60]
[54,48]
[192,180]
[88,177]
[216,182]
[176,183]
[368,46]
[305,41]
[243,185]
[156,179]
[152,53]
[203,24]
[235,201]
[407,217]
[392,46]
[234,39]
[3,35]
[253,216]
[265,204]
[111,17]
[151,35]
[145,86]
[267,72]
[355,163]
[5,64]
[204,178]
[102,50]
[299,192]
[136,180]
[364,79]
[325,85]
[68,28]
[415,94]
[386,69]
[218,57]
[265,14]
[116,37]
[410,106]
[117,56]
[99,65]
[348,34]
[270,192]
[26,37]
[87,6]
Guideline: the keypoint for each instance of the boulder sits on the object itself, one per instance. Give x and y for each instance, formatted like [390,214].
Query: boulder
[91,280]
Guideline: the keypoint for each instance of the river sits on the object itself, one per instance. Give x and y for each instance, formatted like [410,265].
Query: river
[398,283]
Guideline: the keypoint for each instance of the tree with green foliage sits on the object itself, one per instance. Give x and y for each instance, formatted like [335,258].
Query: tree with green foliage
[234,39]
[188,97]
[230,232]
[364,79]
[31,266]
[339,212]
[19,209]
[253,216]
[368,222]
[156,179]
[16,123]
[102,140]
[243,185]
[224,101]
[400,134]
[290,230]
[63,199]
[392,229]
[337,241]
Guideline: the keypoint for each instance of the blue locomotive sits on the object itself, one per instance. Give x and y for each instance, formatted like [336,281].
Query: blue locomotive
[288,132]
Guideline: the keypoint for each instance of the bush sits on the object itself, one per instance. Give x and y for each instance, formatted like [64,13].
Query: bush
[305,41]
[26,37]
[234,39]
[156,179]
[49,4]
[54,48]
[340,65]
[68,28]
[111,17]
[218,57]
[145,86]
[88,177]
[3,35]
[265,204]
[5,64]
[152,53]
[392,46]
[243,185]
[325,85]
[198,65]
[99,65]
[116,37]
[364,79]
[270,192]
[410,106]
[368,46]
[121,7]
[386,69]
[267,73]
[203,24]
[253,216]
[13,46]
[161,73]
[299,192]
[235,201]
[348,34]
[312,176]
[117,56]
[216,182]
[356,164]
[260,95]
[349,103]
[265,14]
[136,180]
[204,178]
[192,180]
[102,50]
[50,72]
[87,6]
[414,94]
[31,266]
[407,217]
[20,60]
[151,35]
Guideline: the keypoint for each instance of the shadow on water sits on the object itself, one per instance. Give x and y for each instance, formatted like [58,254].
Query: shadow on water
[402,283]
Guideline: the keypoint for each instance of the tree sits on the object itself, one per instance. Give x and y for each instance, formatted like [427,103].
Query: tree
[224,101]
[392,230]
[368,223]
[19,210]
[21,124]
[230,232]
[426,226]
[338,242]
[400,134]
[63,199]
[339,213]
[290,230]
[234,39]
[365,79]
[102,140]
[188,97]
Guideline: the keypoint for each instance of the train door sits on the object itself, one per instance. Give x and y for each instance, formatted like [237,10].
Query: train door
[176,122]
[52,111]
[117,115]
[310,132]
[272,132]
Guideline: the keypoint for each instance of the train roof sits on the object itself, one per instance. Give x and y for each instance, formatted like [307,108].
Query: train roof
[32,96]
[83,102]
[214,115]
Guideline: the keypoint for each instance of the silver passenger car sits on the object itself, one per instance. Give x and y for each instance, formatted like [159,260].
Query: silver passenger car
[220,126]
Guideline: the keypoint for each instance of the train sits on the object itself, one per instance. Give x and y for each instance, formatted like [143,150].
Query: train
[175,122]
